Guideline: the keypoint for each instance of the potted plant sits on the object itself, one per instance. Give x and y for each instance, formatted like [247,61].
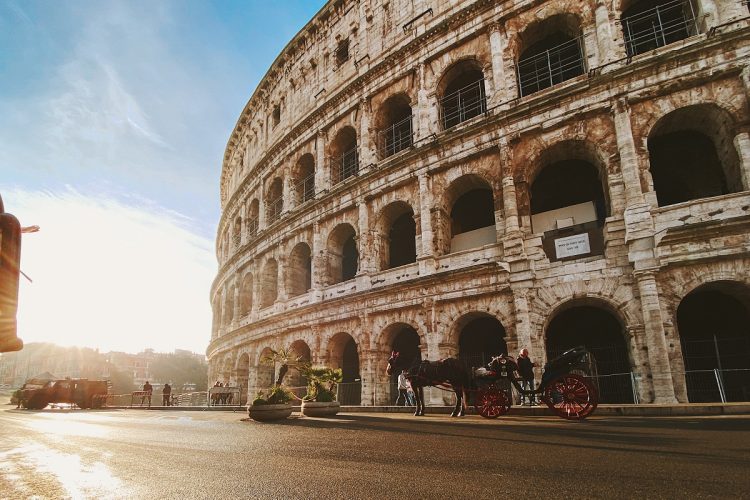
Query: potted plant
[275,403]
[320,400]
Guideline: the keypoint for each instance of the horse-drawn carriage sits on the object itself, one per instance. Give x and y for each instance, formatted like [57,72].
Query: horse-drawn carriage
[565,388]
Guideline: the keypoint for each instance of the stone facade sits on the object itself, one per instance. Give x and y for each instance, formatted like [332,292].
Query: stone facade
[320,183]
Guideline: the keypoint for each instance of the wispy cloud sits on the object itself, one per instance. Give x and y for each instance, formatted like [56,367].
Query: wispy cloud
[111,275]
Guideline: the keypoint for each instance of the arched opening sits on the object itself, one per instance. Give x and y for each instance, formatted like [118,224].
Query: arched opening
[714,326]
[294,378]
[650,24]
[304,179]
[398,230]
[552,53]
[343,257]
[472,213]
[228,306]
[269,283]
[299,274]
[480,337]
[406,343]
[344,354]
[265,372]
[692,156]
[251,224]
[343,155]
[246,294]
[569,207]
[275,200]
[462,94]
[394,125]
[237,232]
[243,373]
[603,335]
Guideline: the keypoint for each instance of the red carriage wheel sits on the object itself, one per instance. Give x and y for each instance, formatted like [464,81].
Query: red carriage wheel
[491,402]
[571,396]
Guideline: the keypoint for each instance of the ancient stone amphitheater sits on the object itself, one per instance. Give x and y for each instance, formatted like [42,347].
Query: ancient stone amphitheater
[470,177]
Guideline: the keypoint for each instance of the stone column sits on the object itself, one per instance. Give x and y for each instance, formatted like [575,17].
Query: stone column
[364,240]
[262,206]
[281,270]
[604,38]
[286,191]
[656,343]
[498,42]
[742,144]
[318,270]
[257,288]
[708,15]
[322,175]
[366,152]
[236,304]
[243,223]
[427,248]
[423,126]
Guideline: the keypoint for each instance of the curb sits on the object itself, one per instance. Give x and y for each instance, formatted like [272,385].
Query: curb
[652,410]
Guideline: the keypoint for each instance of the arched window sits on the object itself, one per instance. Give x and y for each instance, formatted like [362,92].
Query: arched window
[275,201]
[398,231]
[692,156]
[472,213]
[300,270]
[552,53]
[481,337]
[269,284]
[648,24]
[304,179]
[252,219]
[246,294]
[344,157]
[343,257]
[462,94]
[394,124]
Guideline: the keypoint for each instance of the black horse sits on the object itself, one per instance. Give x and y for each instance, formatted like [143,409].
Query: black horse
[448,372]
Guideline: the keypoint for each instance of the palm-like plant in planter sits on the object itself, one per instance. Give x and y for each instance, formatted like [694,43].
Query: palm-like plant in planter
[274,404]
[320,400]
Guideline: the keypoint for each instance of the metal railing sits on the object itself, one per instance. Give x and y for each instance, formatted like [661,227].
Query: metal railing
[553,66]
[395,138]
[463,104]
[664,24]
[237,239]
[345,166]
[306,188]
[274,208]
[251,226]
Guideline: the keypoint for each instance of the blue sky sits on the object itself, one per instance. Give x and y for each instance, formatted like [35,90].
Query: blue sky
[115,116]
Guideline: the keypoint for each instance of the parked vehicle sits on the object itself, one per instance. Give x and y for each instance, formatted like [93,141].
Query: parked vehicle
[82,392]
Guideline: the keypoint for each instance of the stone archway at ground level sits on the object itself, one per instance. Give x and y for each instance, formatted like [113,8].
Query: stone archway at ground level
[344,353]
[714,326]
[301,352]
[602,333]
[265,372]
[480,337]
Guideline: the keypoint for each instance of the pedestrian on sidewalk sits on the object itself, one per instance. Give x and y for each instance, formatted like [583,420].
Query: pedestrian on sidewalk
[148,389]
[526,369]
[166,394]
[403,388]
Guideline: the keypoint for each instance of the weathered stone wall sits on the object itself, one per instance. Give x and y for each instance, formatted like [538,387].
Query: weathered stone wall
[652,258]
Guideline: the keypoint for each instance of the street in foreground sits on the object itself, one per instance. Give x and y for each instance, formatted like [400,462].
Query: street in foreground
[181,454]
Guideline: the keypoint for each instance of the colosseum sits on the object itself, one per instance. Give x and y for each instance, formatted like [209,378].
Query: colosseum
[470,177]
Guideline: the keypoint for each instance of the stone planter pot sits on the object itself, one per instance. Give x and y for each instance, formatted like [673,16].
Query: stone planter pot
[266,413]
[315,409]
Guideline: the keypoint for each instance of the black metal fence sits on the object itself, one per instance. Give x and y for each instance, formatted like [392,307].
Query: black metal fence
[395,138]
[274,208]
[664,24]
[345,166]
[306,188]
[553,66]
[463,104]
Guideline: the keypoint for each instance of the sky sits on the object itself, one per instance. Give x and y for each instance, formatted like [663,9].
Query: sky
[114,116]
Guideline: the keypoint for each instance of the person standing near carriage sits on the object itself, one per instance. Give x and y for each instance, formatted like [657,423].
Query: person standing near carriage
[166,394]
[403,389]
[526,369]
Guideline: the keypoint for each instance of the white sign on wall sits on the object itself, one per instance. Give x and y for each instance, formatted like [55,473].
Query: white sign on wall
[569,246]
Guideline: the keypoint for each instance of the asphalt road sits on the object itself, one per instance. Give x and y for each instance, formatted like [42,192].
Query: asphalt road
[181,454]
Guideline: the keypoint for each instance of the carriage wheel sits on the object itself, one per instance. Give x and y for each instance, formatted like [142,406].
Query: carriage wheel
[571,396]
[491,402]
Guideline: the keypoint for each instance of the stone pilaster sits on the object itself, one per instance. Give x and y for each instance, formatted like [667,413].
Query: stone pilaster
[604,37]
[658,358]
[236,304]
[498,43]
[707,15]
[366,151]
[742,144]
[322,174]
[427,249]
[423,125]
[318,259]
[364,240]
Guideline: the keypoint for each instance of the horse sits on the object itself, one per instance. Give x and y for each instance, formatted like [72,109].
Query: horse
[448,372]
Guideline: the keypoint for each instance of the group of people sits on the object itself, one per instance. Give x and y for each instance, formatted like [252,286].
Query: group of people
[222,398]
[148,389]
